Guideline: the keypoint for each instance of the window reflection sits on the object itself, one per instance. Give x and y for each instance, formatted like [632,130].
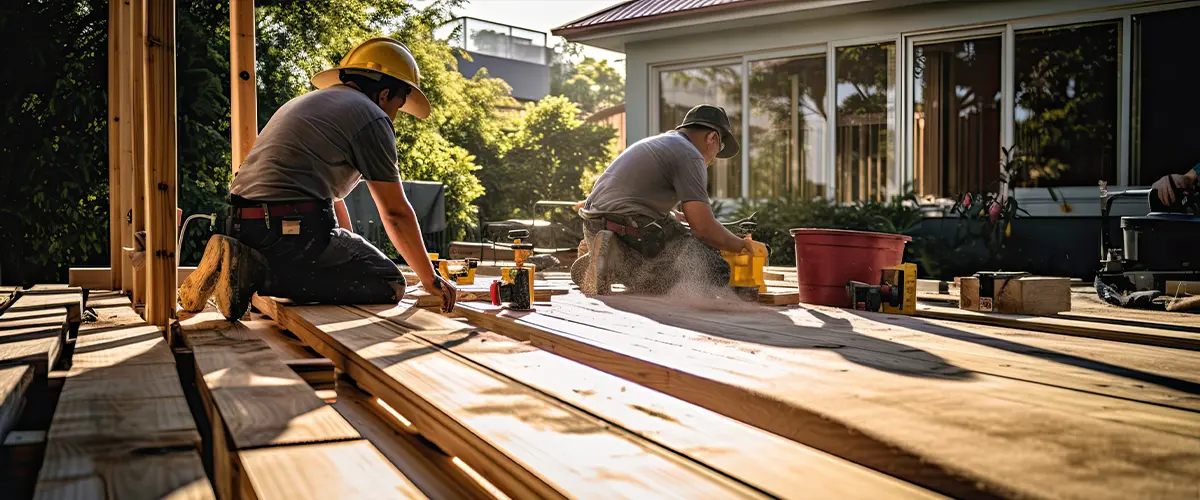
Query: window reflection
[1165,137]
[956,117]
[787,127]
[864,165]
[721,86]
[1066,104]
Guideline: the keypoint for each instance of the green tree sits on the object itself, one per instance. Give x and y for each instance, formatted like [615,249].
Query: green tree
[548,157]
[591,83]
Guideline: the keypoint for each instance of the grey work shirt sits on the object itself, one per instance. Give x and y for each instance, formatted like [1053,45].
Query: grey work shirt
[651,177]
[319,146]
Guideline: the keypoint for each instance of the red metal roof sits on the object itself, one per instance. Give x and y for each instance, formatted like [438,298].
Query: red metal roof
[643,10]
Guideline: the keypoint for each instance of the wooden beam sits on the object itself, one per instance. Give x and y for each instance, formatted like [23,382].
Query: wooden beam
[97,278]
[14,381]
[242,86]
[160,162]
[350,470]
[883,397]
[32,335]
[116,216]
[137,126]
[122,427]
[546,449]
[126,146]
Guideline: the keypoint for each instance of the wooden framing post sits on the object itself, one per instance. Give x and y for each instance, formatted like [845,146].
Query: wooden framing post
[116,220]
[127,178]
[244,112]
[160,162]
[136,124]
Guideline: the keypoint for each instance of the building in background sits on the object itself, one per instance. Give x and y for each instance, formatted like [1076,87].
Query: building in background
[516,55]
[856,100]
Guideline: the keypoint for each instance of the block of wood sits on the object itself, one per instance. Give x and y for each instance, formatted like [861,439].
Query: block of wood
[1035,295]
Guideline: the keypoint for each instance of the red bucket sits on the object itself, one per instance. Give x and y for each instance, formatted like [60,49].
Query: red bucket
[826,259]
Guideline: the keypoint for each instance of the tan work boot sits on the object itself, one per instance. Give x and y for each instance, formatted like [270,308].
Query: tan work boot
[199,285]
[242,273]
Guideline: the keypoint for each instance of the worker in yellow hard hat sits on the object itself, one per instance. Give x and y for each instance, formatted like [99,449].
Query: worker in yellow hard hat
[289,233]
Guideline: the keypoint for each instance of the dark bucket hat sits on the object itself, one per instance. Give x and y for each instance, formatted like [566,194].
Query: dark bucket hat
[713,117]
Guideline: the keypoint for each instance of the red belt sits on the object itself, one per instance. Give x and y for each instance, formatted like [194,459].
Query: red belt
[279,210]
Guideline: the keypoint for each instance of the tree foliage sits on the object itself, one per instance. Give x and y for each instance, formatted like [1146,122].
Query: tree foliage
[549,156]
[54,188]
[590,83]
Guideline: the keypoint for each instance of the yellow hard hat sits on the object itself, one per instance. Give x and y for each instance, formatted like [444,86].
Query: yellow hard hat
[385,56]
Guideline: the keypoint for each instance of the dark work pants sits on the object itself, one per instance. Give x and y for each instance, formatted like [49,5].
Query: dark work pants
[685,261]
[324,263]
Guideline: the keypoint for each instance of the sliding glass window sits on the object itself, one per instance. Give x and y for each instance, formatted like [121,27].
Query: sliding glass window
[1165,136]
[1067,104]
[864,165]
[787,127]
[721,85]
[956,117]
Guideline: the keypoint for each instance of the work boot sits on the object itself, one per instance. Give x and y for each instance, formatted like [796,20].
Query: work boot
[242,272]
[199,285]
[601,264]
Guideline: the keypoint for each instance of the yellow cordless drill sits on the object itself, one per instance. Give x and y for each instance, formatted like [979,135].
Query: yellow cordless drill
[515,286]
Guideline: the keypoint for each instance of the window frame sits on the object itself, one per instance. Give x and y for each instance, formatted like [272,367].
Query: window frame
[909,99]
[903,100]
[820,49]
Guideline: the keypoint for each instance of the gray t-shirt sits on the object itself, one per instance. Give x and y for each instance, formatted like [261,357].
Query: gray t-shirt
[651,177]
[319,146]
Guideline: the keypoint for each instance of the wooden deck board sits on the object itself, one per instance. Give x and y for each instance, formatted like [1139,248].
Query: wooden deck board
[764,460]
[887,405]
[31,334]
[348,470]
[14,381]
[431,470]
[524,442]
[122,427]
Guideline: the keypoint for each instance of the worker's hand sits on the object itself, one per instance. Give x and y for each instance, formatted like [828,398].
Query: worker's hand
[443,288]
[1162,187]
[755,248]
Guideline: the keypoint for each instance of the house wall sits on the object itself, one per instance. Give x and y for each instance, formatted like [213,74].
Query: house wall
[708,42]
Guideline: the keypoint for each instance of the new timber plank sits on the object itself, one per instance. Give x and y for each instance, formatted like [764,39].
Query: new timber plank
[1068,326]
[431,470]
[883,404]
[51,298]
[523,441]
[771,463]
[347,470]
[261,400]
[14,381]
[32,336]
[122,427]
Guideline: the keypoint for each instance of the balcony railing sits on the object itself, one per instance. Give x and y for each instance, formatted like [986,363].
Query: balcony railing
[495,39]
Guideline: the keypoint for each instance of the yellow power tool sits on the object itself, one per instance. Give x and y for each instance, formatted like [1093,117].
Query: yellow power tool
[515,286]
[461,272]
[746,271]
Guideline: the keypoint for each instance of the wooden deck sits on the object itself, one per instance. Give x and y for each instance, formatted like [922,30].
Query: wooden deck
[617,396]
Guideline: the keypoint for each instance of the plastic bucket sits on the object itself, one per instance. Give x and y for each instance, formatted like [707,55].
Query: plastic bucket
[826,259]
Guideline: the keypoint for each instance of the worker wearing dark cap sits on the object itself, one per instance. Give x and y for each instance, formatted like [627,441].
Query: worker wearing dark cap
[634,235]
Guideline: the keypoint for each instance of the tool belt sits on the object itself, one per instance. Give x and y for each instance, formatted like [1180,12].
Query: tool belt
[647,236]
[302,226]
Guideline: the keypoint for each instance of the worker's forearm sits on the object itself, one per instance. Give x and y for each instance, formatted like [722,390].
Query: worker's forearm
[405,233]
[720,238]
[343,215]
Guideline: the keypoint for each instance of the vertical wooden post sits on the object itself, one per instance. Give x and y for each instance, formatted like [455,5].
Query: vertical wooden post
[127,178]
[160,161]
[136,123]
[116,219]
[244,113]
